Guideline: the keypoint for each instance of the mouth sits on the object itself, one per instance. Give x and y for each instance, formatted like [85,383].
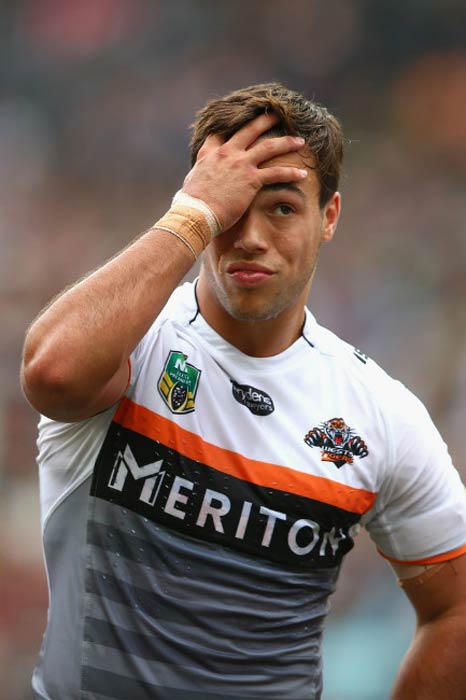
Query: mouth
[248,274]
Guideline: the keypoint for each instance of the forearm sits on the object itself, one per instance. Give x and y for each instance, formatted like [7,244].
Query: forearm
[81,340]
[434,667]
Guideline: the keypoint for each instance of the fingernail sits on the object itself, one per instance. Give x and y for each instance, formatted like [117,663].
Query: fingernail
[299,140]
[303,173]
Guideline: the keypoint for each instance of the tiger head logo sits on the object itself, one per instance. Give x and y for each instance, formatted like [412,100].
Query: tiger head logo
[337,431]
[338,442]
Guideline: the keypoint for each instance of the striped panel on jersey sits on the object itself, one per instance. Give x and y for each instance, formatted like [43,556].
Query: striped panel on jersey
[104,684]
[169,616]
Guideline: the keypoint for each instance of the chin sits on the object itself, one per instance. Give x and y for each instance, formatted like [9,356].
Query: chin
[248,313]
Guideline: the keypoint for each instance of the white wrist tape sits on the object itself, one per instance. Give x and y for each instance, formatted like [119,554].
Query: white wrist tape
[187,200]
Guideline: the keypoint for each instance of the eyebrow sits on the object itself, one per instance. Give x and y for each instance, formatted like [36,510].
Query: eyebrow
[274,186]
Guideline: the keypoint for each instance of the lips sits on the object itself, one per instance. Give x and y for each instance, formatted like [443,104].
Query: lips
[241,266]
[248,274]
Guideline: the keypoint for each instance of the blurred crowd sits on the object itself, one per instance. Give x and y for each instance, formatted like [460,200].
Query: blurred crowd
[96,100]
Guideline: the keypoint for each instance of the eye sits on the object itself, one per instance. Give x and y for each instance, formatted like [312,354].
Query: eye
[283,210]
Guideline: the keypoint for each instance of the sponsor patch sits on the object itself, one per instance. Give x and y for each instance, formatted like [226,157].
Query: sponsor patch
[178,383]
[193,498]
[258,401]
[338,441]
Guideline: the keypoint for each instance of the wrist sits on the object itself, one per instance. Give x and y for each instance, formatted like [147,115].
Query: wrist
[183,199]
[190,220]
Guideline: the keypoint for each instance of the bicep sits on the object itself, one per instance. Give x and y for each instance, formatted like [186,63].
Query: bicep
[111,393]
[434,590]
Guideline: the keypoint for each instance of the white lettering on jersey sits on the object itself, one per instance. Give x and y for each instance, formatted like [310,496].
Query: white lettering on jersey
[303,535]
[215,513]
[243,520]
[293,534]
[181,365]
[126,464]
[272,516]
[332,539]
[175,497]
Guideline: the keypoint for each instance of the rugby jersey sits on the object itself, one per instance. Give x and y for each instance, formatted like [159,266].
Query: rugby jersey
[194,532]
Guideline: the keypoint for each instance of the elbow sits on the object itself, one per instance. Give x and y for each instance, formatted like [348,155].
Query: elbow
[48,384]
[41,386]
[69,387]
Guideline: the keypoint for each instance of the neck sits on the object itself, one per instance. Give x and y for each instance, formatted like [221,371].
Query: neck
[254,338]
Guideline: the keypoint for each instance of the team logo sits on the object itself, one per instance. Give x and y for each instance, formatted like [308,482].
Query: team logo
[339,442]
[256,400]
[178,383]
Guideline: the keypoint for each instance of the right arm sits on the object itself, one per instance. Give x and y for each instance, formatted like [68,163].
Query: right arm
[75,360]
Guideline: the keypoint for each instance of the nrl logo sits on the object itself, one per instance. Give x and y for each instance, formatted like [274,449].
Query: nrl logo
[178,383]
[339,442]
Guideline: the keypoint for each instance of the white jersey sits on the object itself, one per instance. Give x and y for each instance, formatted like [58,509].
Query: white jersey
[194,532]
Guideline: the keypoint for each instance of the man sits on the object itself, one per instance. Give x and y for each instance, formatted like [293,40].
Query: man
[210,452]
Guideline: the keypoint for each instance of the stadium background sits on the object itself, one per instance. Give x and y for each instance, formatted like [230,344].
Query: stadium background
[96,97]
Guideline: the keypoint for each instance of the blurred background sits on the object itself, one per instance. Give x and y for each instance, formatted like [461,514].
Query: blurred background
[96,97]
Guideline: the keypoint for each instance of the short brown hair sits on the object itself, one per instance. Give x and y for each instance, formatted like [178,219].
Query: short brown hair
[298,117]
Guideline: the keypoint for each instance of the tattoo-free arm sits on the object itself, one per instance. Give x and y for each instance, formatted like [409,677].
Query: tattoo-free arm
[76,353]
[434,667]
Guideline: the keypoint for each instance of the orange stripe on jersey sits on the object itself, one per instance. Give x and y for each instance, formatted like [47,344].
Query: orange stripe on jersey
[436,559]
[140,419]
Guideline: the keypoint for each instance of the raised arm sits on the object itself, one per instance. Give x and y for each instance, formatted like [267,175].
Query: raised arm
[75,360]
[435,666]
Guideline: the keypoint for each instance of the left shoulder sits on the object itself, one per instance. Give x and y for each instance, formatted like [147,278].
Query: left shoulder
[402,412]
[354,362]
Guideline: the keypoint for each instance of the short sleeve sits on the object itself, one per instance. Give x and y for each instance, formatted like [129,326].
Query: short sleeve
[420,512]
[66,456]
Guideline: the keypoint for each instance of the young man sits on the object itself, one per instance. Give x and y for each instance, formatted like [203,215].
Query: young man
[209,453]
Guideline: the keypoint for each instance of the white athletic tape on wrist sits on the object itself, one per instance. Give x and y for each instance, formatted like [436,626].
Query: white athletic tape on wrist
[187,200]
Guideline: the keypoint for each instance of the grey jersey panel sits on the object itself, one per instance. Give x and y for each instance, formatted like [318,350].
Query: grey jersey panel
[171,634]
[58,674]
[125,689]
[141,626]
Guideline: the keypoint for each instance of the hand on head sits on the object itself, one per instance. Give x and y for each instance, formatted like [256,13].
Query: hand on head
[228,174]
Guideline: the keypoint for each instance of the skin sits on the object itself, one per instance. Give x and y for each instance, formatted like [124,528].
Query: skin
[253,285]
[256,276]
[434,667]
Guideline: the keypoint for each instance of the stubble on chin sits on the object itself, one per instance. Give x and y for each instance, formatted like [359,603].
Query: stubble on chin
[253,305]
[249,307]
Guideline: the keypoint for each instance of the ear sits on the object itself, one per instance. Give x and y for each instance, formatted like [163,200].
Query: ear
[330,215]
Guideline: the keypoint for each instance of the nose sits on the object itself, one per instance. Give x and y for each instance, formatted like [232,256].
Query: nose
[250,234]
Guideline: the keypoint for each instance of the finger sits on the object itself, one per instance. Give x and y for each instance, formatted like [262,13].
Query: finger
[212,142]
[251,131]
[271,148]
[282,173]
